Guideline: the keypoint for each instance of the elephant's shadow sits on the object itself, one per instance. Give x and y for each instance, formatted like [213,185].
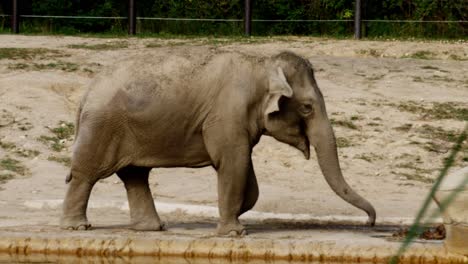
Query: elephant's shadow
[207,227]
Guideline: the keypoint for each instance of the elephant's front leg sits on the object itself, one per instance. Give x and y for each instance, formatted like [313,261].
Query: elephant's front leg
[251,191]
[233,173]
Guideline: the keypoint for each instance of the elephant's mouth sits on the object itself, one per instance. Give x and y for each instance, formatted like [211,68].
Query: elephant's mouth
[304,144]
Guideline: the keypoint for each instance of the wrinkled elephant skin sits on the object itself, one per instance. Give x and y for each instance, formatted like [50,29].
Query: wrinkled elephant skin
[186,113]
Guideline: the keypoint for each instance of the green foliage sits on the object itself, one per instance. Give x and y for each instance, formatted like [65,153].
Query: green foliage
[13,165]
[63,132]
[418,226]
[105,46]
[262,9]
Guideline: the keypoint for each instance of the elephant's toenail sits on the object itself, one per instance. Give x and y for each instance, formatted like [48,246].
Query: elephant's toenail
[243,233]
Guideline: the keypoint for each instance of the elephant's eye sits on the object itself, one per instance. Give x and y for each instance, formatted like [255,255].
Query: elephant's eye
[306,109]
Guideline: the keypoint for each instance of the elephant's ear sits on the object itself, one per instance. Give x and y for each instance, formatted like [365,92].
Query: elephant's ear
[278,87]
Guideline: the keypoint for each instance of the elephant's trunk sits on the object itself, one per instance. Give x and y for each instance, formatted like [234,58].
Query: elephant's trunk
[321,136]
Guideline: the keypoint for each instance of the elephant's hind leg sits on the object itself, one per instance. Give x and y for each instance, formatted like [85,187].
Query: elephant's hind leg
[75,204]
[142,210]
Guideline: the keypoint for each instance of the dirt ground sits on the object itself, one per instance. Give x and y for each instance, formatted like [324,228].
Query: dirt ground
[396,108]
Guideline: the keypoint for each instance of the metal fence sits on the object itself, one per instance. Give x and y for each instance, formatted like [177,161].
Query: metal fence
[247,20]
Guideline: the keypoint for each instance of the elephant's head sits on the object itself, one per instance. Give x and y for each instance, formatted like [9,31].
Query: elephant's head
[294,113]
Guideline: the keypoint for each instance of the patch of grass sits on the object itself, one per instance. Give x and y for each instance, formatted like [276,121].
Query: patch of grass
[404,127]
[369,157]
[4,177]
[432,132]
[343,123]
[370,52]
[27,153]
[63,132]
[53,142]
[29,53]
[7,145]
[59,65]
[375,77]
[168,44]
[439,139]
[103,46]
[421,55]
[415,174]
[13,165]
[19,151]
[442,78]
[414,177]
[342,142]
[417,79]
[457,58]
[60,159]
[448,110]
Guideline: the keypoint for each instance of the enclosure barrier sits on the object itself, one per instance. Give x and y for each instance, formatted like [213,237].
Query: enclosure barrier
[81,244]
[132,18]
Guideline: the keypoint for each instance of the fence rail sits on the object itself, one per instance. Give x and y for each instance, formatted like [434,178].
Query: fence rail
[240,20]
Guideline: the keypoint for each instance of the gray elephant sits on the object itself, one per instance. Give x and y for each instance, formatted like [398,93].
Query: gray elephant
[198,112]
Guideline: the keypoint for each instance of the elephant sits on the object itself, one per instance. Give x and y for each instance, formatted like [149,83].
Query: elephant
[181,112]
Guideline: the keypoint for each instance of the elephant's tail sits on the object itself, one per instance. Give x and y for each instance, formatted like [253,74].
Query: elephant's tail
[77,127]
[68,178]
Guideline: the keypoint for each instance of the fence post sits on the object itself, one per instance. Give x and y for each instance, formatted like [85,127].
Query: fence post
[357,20]
[131,17]
[15,17]
[248,18]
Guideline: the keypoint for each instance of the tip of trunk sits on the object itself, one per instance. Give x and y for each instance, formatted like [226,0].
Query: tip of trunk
[372,216]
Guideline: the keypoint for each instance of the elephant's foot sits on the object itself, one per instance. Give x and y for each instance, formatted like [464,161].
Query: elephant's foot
[148,226]
[75,223]
[231,230]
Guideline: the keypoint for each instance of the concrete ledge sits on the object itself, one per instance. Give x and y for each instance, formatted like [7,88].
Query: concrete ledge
[63,246]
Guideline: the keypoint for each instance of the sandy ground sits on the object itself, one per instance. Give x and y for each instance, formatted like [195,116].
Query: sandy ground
[385,97]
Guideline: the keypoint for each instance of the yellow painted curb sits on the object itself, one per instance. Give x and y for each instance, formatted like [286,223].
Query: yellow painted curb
[54,247]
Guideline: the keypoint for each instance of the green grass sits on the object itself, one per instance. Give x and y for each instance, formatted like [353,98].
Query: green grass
[29,53]
[27,153]
[344,123]
[103,46]
[433,132]
[59,65]
[457,58]
[60,159]
[4,177]
[421,55]
[369,157]
[13,165]
[63,132]
[12,148]
[342,142]
[414,177]
[448,110]
[404,127]
[417,227]
[370,52]
[7,145]
[442,78]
